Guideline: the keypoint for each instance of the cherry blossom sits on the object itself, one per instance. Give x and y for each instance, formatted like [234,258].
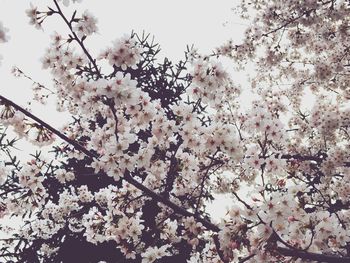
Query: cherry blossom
[67,2]
[151,143]
[3,34]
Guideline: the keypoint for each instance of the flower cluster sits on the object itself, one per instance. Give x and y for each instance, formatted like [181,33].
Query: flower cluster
[3,34]
[86,25]
[125,52]
[154,253]
[67,2]
[209,81]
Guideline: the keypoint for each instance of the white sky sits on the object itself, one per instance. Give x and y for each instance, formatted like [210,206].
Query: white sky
[173,23]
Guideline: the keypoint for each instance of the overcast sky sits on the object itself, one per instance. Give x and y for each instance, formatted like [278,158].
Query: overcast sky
[175,24]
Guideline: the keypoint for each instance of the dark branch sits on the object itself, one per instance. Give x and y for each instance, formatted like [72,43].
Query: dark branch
[176,208]
[76,38]
[47,126]
[127,177]
[296,253]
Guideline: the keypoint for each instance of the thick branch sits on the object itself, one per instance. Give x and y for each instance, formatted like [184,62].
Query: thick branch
[312,256]
[176,208]
[47,126]
[217,245]
[246,258]
[127,177]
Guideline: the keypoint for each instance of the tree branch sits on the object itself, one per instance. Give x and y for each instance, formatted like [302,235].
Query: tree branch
[76,38]
[127,176]
[176,208]
[49,127]
[217,245]
[297,253]
[307,158]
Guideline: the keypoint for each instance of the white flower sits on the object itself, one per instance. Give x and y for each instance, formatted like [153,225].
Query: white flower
[86,25]
[125,53]
[154,253]
[62,176]
[32,13]
[3,31]
[66,2]
[47,250]
[4,172]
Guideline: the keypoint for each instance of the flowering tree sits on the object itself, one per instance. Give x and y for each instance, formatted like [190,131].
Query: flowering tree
[128,179]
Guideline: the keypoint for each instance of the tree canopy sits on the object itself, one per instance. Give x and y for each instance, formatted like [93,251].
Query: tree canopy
[151,142]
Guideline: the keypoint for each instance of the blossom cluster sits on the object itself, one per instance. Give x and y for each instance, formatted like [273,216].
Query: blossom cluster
[86,25]
[125,52]
[67,2]
[3,36]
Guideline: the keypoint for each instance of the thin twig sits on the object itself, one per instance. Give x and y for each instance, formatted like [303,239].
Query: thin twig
[76,38]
